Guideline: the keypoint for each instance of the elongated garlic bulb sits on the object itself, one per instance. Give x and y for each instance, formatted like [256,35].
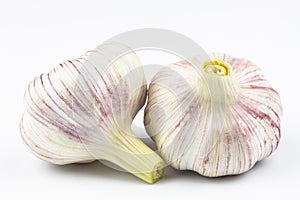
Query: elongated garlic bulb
[217,121]
[82,111]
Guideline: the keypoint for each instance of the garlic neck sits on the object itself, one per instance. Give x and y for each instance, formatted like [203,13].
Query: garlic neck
[131,154]
[219,94]
[221,87]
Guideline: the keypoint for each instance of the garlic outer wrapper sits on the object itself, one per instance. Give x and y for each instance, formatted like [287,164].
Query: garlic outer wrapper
[82,111]
[218,122]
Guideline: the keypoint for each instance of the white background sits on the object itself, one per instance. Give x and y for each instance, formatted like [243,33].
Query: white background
[36,35]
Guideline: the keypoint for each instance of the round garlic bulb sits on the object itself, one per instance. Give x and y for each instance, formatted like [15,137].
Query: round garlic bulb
[217,120]
[82,111]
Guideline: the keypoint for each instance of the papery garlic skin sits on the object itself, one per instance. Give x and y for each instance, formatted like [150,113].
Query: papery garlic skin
[82,111]
[218,122]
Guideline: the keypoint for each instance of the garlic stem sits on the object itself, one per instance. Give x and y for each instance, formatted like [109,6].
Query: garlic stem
[137,158]
[222,89]
[220,94]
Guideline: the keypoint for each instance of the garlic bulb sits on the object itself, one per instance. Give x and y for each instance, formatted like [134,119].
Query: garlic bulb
[82,111]
[217,121]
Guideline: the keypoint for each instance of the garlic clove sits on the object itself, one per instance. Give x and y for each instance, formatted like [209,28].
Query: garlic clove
[218,122]
[82,111]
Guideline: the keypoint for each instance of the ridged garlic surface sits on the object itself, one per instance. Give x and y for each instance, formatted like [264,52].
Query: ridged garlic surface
[217,120]
[82,111]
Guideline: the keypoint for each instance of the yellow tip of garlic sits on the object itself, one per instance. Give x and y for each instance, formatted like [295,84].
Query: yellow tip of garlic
[217,67]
